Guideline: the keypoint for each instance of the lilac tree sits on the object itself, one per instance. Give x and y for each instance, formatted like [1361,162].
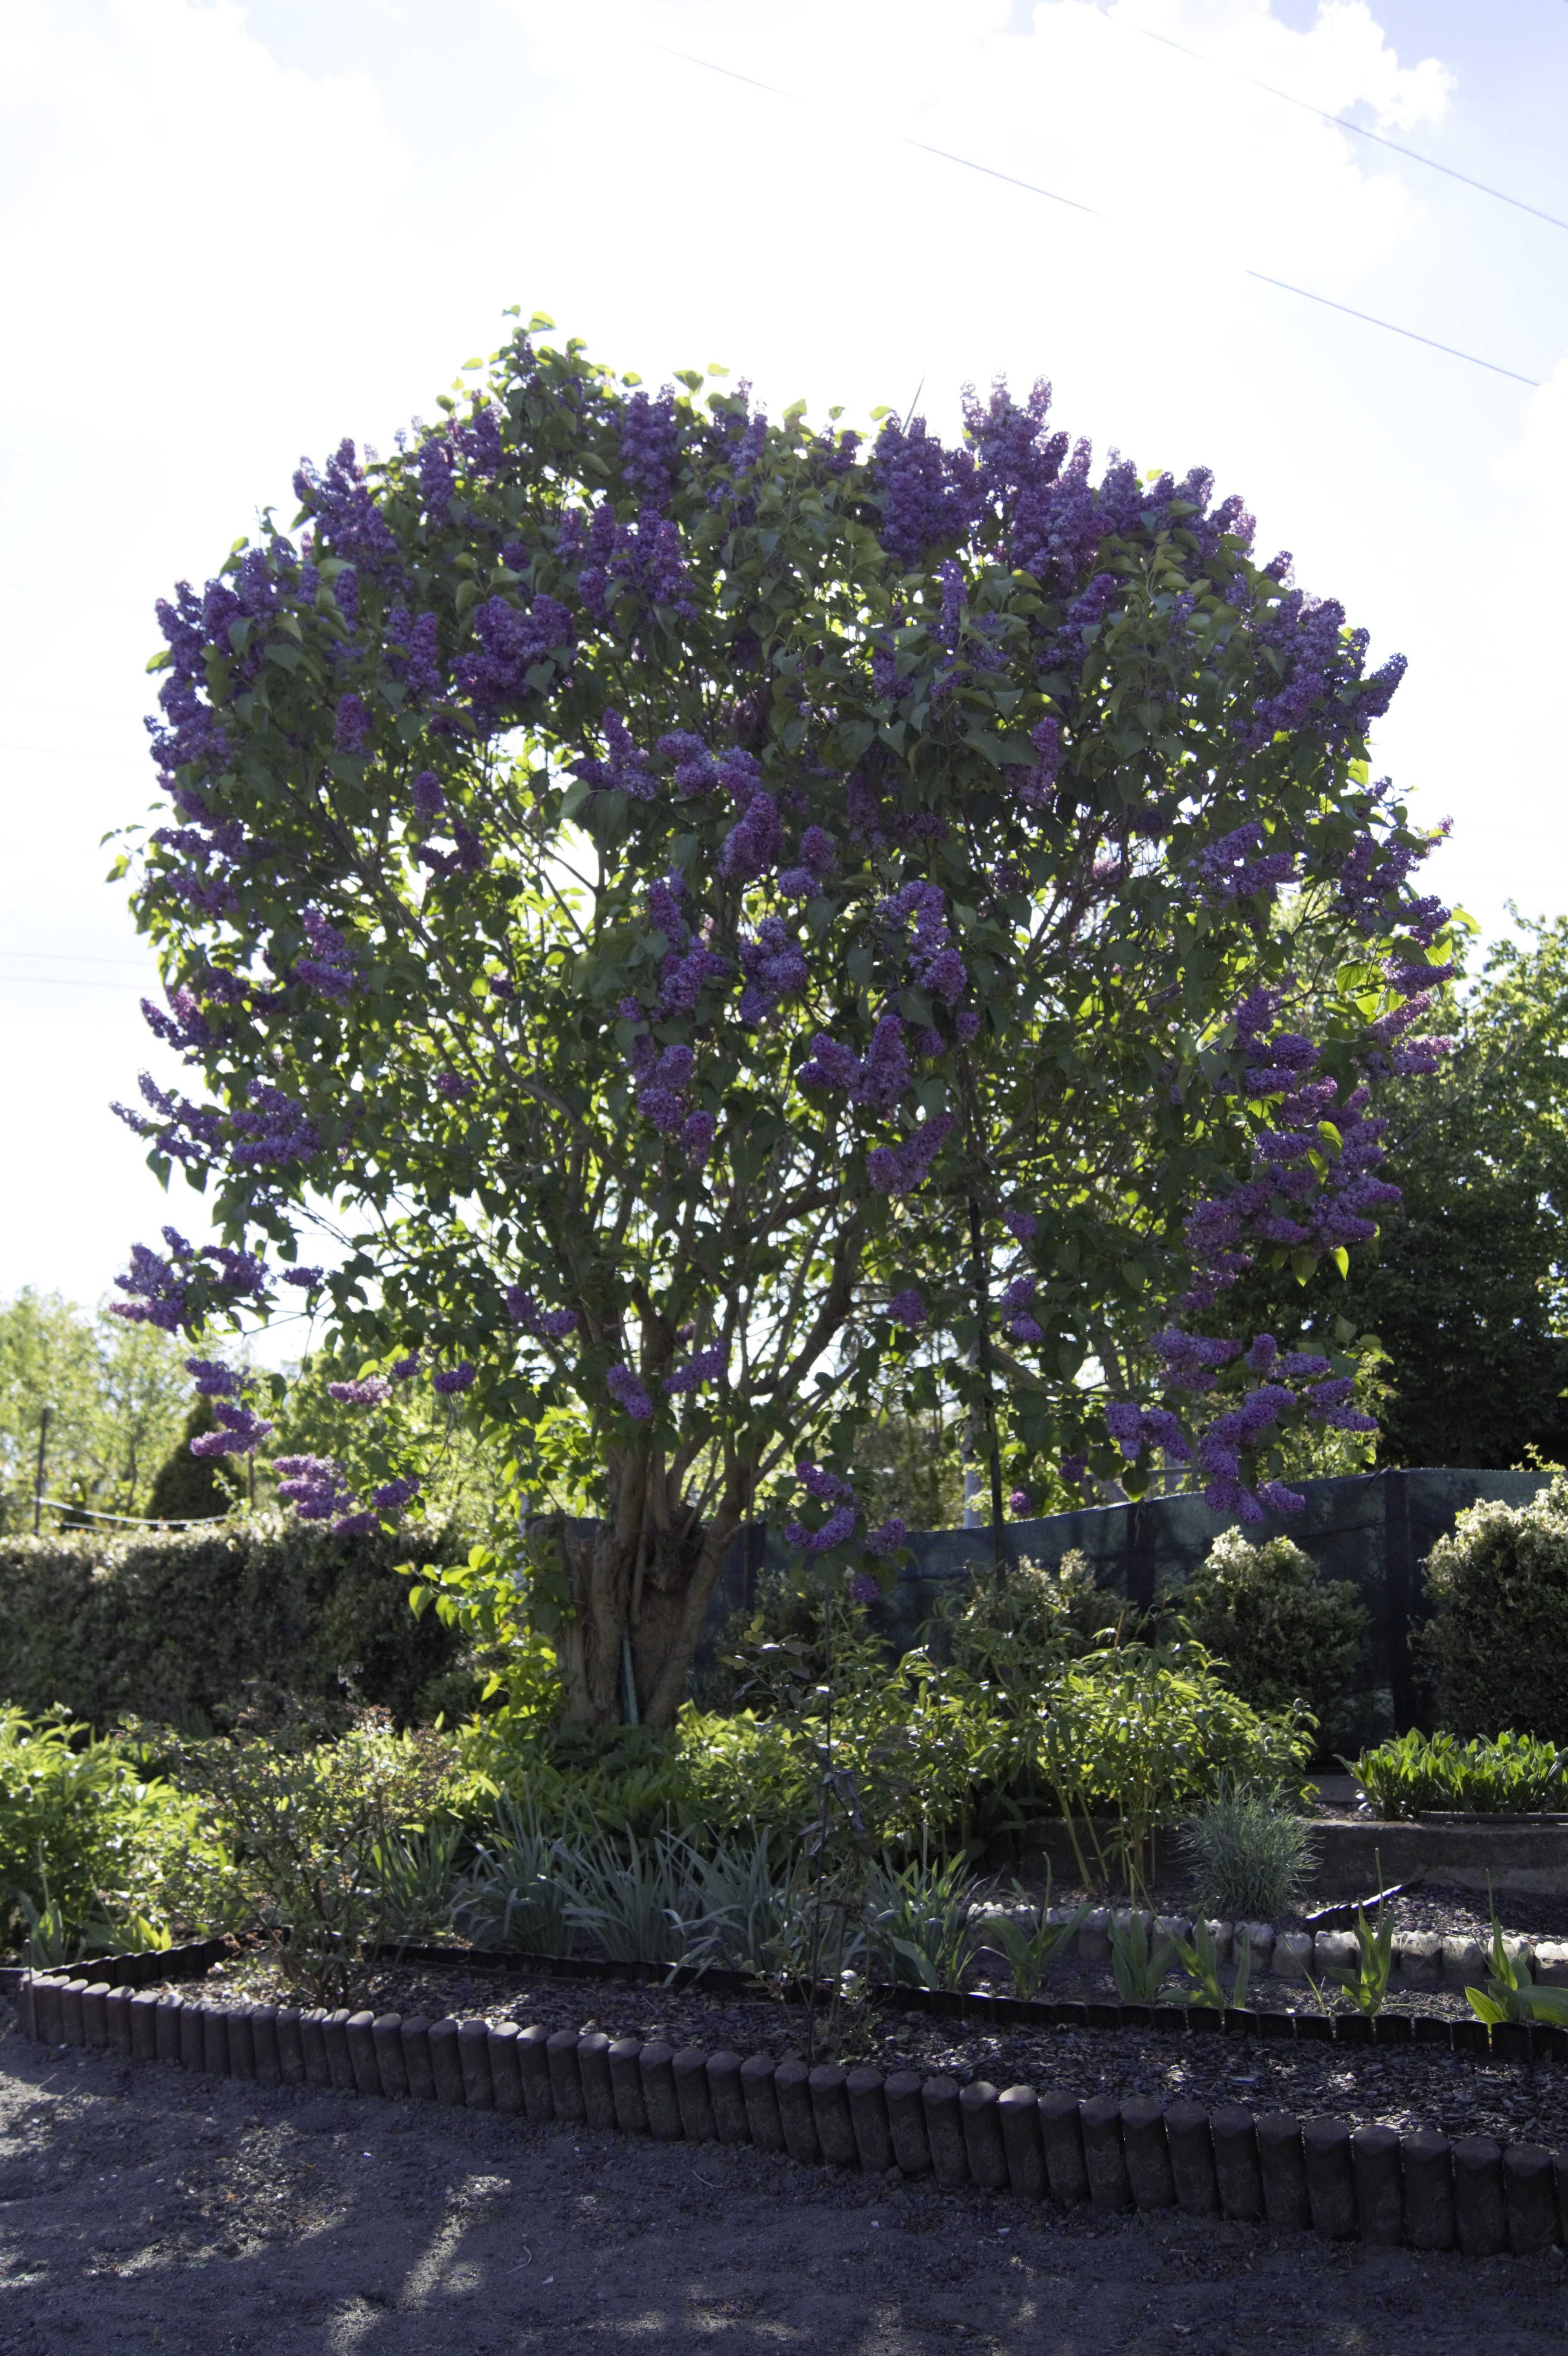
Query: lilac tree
[723,921]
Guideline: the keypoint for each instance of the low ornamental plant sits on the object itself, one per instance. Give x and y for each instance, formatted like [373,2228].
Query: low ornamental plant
[1250,1852]
[709,900]
[1413,1773]
[92,1840]
[1510,1992]
[1128,1742]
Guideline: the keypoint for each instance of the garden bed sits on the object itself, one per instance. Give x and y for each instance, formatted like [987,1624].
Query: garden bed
[1453,2094]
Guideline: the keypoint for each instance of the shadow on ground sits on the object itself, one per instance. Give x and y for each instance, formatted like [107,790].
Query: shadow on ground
[154,2210]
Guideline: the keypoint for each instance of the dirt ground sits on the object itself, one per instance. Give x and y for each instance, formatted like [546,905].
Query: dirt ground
[150,2211]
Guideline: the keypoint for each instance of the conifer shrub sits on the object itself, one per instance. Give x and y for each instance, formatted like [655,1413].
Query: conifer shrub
[1496,1647]
[1284,1634]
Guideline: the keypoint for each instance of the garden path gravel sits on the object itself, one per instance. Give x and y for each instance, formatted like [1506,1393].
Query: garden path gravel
[150,2212]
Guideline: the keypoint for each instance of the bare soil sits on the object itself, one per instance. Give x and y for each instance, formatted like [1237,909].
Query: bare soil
[150,2211]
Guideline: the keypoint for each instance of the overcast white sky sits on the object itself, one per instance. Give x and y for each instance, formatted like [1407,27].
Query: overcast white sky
[232,234]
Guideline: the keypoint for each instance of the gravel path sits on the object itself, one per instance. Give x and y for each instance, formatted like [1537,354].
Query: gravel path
[149,2211]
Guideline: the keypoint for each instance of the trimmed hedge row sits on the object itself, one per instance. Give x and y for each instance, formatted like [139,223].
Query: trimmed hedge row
[1320,2175]
[172,1624]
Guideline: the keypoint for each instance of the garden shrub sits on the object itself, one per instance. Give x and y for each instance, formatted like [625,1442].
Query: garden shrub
[88,1837]
[1143,1735]
[1013,1630]
[172,1626]
[316,1833]
[1496,1648]
[1285,1635]
[926,1757]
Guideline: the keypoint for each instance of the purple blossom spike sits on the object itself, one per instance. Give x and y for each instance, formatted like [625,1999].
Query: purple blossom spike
[900,1169]
[704,1367]
[908,1307]
[240,1433]
[369,1390]
[313,1486]
[352,725]
[451,1379]
[628,1394]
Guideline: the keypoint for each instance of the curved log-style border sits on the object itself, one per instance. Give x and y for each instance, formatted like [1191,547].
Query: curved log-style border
[1371,2183]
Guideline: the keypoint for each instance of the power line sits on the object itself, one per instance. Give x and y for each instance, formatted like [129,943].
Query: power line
[62,981]
[74,956]
[1411,153]
[1430,341]
[1368,319]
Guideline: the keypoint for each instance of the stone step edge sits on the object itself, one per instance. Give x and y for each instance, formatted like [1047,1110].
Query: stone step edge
[1419,2190]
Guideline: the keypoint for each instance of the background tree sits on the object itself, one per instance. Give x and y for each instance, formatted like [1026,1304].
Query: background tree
[119,1394]
[723,927]
[1463,1286]
[195,1488]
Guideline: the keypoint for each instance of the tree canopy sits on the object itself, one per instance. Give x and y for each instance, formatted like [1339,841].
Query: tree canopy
[117,1397]
[720,921]
[1465,1284]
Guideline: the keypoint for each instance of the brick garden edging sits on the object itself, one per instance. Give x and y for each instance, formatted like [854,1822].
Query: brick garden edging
[1418,2190]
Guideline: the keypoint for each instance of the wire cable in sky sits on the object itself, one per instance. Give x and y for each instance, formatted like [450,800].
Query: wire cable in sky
[75,957]
[1032,187]
[1344,123]
[1430,341]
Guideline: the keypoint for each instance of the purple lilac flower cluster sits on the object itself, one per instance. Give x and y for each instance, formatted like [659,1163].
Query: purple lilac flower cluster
[827,1489]
[900,1169]
[366,1390]
[1289,1201]
[512,644]
[1236,867]
[934,960]
[628,1394]
[544,1324]
[172,1293]
[241,1430]
[703,1366]
[274,1132]
[332,968]
[317,1489]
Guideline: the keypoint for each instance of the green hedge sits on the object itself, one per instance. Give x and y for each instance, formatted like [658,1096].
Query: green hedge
[175,1625]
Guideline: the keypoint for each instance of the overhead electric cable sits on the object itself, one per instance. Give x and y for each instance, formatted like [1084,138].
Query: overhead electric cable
[1430,341]
[1032,187]
[1324,114]
[74,956]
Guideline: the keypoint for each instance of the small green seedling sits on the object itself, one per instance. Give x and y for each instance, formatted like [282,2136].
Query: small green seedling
[1368,1985]
[1140,1964]
[1510,1994]
[1200,1962]
[1031,1954]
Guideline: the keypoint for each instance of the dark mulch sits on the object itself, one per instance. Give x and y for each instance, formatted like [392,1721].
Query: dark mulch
[1517,2101]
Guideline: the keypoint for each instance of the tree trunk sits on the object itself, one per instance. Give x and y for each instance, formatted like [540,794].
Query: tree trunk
[643,1576]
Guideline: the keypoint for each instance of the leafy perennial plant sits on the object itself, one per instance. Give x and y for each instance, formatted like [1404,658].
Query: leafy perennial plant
[714,917]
